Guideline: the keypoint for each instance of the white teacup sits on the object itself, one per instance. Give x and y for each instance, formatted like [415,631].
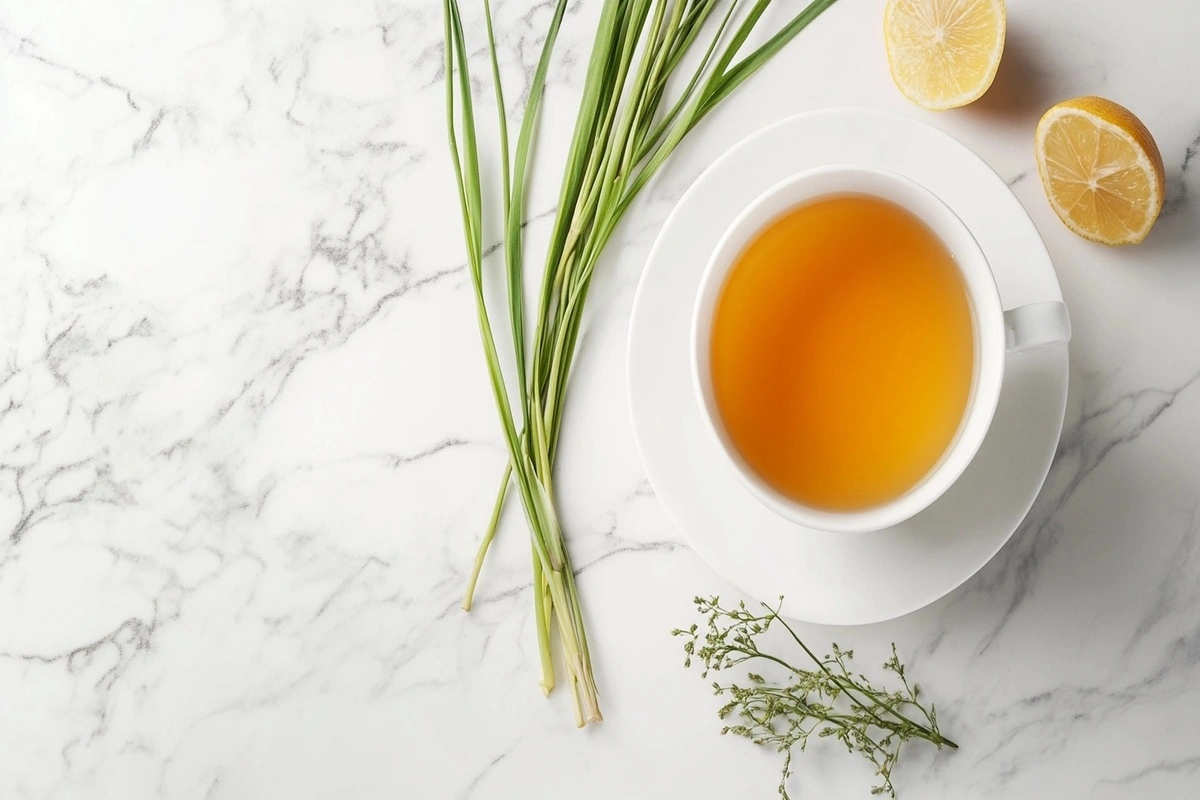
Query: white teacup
[996,331]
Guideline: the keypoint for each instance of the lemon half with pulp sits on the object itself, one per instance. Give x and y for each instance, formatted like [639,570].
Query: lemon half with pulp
[944,53]
[1101,169]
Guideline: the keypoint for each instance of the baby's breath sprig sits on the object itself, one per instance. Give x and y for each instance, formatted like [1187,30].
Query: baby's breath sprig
[826,700]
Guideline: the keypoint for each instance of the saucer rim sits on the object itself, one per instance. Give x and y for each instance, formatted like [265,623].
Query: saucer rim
[1051,291]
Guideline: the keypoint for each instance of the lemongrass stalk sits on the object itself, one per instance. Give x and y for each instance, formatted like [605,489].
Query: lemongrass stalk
[501,113]
[515,203]
[541,612]
[615,155]
[658,131]
[608,181]
[584,139]
[486,542]
[514,211]
[545,534]
[726,79]
[587,202]
[622,138]
[655,83]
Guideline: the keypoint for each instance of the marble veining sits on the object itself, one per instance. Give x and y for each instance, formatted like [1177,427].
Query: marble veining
[247,447]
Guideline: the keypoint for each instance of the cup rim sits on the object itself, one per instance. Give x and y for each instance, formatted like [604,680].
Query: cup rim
[988,328]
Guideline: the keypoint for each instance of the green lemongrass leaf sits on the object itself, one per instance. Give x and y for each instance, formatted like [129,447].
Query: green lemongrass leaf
[561,579]
[585,211]
[626,46]
[685,26]
[576,219]
[725,80]
[571,335]
[621,139]
[456,158]
[641,9]
[617,157]
[562,352]
[581,217]
[501,111]
[467,168]
[541,612]
[486,542]
[740,35]
[512,261]
[549,519]
[643,104]
[690,27]
[745,68]
[652,139]
[470,156]
[606,32]
[516,208]
[577,613]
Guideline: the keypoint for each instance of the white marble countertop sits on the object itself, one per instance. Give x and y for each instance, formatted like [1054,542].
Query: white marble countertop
[246,443]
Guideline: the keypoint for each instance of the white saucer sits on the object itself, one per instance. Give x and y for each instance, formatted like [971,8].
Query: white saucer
[842,579]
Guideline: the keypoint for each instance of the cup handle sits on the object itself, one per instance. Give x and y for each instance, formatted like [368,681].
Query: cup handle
[1036,324]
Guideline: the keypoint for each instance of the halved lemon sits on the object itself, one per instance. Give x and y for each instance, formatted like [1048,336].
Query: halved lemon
[1101,169]
[944,53]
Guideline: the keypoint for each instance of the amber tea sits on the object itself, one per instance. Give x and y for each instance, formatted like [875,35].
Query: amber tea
[842,352]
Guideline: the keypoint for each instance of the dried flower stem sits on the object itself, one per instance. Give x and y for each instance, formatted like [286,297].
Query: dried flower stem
[827,699]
